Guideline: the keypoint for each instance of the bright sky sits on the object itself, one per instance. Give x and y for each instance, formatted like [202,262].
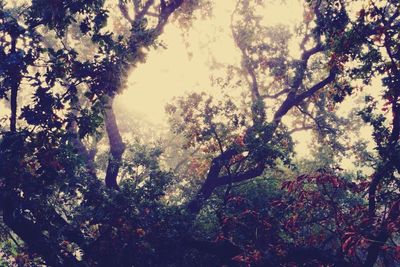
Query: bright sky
[186,67]
[172,71]
[179,68]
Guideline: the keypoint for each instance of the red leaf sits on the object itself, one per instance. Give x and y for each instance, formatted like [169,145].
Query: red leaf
[239,258]
[346,245]
[397,253]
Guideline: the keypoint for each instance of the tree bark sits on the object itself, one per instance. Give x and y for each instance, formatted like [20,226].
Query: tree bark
[16,78]
[375,248]
[117,147]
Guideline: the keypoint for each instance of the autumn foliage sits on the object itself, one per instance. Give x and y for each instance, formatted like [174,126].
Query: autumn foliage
[81,185]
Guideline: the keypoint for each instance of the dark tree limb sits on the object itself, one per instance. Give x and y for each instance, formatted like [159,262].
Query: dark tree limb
[140,14]
[293,100]
[166,9]
[306,55]
[302,128]
[16,77]
[392,157]
[375,248]
[32,233]
[213,181]
[278,94]
[117,147]
[124,11]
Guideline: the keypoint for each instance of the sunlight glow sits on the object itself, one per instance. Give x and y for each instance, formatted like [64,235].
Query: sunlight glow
[181,68]
[185,67]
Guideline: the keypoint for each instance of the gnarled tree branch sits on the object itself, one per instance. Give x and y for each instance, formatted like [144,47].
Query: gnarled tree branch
[117,147]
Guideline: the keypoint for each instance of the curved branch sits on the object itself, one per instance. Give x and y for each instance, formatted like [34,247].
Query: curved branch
[299,129]
[392,157]
[117,147]
[293,100]
[16,77]
[379,240]
[211,181]
[214,180]
[306,55]
[165,12]
[124,11]
[33,233]
[275,96]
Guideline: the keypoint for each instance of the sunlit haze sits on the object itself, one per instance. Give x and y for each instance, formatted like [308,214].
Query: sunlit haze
[184,66]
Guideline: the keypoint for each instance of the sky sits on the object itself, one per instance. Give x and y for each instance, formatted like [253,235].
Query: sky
[185,66]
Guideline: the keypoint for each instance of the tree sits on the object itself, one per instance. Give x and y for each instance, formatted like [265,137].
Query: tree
[255,205]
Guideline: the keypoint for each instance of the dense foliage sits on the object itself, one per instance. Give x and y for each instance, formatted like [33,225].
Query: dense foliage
[229,189]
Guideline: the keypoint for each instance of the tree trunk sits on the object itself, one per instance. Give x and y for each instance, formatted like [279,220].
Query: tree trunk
[117,147]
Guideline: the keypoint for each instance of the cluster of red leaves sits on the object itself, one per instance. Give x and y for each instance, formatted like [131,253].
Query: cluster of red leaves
[318,210]
[248,258]
[197,167]
[338,60]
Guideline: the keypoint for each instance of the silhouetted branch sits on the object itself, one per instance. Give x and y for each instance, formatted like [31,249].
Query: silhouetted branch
[375,248]
[117,147]
[124,11]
